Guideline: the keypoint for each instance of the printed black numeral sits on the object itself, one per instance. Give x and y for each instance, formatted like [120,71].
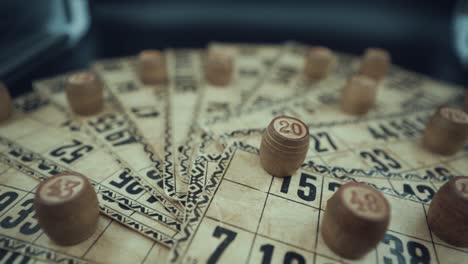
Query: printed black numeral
[23,156]
[381,159]
[308,192]
[13,257]
[397,249]
[106,123]
[322,142]
[382,132]
[418,252]
[289,257]
[45,166]
[6,199]
[74,151]
[145,112]
[421,188]
[440,173]
[284,74]
[333,186]
[230,236]
[131,188]
[154,175]
[71,125]
[120,138]
[27,228]
[30,102]
[293,257]
[267,251]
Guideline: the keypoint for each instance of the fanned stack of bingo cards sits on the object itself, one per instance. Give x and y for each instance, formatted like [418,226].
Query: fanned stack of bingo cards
[189,155]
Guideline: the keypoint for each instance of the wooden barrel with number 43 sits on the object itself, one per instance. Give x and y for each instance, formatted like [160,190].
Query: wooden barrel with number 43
[67,208]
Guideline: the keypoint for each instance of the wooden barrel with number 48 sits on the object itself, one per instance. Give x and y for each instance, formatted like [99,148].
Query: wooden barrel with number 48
[355,220]
[448,213]
[67,208]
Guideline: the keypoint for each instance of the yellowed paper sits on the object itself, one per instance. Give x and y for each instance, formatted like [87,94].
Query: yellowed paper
[392,130]
[26,243]
[145,106]
[382,148]
[185,90]
[249,217]
[252,63]
[400,93]
[176,104]
[113,131]
[28,142]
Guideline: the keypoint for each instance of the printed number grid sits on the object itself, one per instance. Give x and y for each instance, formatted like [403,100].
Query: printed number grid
[124,182]
[255,218]
[404,154]
[83,163]
[19,227]
[398,154]
[17,219]
[26,134]
[418,196]
[116,134]
[123,76]
[441,168]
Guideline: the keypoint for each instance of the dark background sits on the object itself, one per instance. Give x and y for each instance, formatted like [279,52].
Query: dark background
[419,34]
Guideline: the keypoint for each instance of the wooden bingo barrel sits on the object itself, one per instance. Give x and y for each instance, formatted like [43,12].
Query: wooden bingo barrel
[84,93]
[375,63]
[319,62]
[355,220]
[446,131]
[6,105]
[358,95]
[151,67]
[219,67]
[284,146]
[448,213]
[67,208]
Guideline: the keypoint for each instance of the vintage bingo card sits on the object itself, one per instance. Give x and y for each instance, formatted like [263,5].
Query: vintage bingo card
[22,240]
[30,142]
[116,133]
[247,216]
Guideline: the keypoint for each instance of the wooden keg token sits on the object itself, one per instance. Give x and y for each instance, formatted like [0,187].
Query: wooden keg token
[67,208]
[319,62]
[448,213]
[219,67]
[355,220]
[84,92]
[6,104]
[151,67]
[375,63]
[358,95]
[446,131]
[284,146]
